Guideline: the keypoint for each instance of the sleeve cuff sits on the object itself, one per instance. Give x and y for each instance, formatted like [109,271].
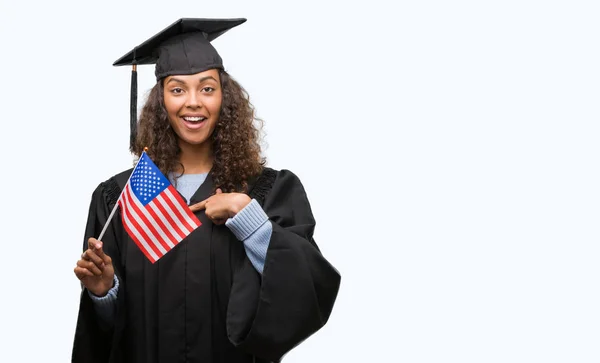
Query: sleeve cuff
[257,245]
[109,298]
[247,221]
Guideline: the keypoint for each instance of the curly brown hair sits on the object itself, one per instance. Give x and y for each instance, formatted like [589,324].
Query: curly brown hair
[235,140]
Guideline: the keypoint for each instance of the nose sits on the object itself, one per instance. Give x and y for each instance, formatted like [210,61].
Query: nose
[193,101]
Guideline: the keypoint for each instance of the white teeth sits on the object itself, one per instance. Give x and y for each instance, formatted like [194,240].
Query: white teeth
[194,119]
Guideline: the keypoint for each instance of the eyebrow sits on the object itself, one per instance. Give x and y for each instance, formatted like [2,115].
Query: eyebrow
[173,79]
[207,78]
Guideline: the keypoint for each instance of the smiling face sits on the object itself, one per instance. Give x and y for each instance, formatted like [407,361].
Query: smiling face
[193,103]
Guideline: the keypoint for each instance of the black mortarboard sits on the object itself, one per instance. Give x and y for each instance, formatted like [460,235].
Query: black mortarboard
[181,48]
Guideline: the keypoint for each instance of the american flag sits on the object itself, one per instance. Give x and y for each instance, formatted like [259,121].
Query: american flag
[154,215]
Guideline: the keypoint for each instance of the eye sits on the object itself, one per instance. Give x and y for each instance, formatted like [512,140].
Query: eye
[177,90]
[208,89]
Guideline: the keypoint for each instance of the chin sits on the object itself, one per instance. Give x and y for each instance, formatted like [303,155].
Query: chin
[194,141]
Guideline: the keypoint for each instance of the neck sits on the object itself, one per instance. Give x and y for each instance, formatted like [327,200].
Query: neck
[196,159]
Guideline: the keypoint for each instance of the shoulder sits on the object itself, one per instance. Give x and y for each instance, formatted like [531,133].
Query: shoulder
[286,200]
[286,175]
[118,180]
[285,178]
[277,174]
[281,182]
[269,176]
[122,176]
[271,181]
[110,189]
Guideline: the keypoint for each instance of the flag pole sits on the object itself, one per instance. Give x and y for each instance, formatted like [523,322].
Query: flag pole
[112,213]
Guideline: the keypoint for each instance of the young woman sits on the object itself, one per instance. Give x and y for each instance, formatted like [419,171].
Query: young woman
[250,283]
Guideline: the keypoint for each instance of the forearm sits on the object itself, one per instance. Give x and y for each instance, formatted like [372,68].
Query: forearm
[106,305]
[252,226]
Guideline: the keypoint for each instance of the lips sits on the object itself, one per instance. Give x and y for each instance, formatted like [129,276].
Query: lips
[193,122]
[194,118]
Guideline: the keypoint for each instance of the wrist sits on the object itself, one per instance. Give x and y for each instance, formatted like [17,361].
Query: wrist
[241,201]
[103,291]
[99,293]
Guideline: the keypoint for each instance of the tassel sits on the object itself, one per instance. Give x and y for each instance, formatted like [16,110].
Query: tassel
[133,109]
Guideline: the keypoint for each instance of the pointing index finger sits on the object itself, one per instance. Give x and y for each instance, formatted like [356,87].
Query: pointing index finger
[199,206]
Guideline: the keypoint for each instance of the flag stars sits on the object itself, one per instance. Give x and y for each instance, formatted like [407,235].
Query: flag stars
[147,181]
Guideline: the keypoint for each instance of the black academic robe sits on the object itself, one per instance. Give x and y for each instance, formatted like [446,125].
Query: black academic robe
[204,301]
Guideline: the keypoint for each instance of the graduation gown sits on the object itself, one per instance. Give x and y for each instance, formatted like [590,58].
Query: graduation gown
[204,301]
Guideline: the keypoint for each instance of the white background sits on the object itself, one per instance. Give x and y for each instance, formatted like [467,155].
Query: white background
[449,150]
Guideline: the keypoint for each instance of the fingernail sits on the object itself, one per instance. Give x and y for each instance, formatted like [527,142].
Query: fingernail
[98,245]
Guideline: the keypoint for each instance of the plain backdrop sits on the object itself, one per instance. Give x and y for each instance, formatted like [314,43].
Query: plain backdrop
[449,150]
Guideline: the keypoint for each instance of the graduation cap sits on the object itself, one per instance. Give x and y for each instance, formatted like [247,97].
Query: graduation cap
[181,48]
